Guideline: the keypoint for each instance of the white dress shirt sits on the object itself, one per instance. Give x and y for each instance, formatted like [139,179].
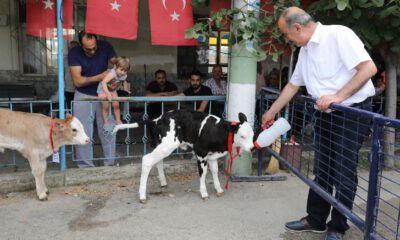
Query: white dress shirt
[328,62]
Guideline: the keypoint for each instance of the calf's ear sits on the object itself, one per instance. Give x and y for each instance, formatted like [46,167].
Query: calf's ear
[68,118]
[242,118]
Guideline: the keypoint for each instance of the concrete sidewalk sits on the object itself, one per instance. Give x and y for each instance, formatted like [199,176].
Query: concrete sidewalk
[23,181]
[105,208]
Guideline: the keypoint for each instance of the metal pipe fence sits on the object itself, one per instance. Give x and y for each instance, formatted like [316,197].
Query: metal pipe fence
[314,135]
[12,158]
[348,154]
[132,144]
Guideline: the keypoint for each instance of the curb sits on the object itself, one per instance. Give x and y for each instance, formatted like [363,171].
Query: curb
[24,181]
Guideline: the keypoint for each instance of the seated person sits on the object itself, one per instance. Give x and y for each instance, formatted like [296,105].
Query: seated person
[272,79]
[157,88]
[217,85]
[197,89]
[219,88]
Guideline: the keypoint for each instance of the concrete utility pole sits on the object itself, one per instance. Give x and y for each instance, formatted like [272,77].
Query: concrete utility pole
[242,88]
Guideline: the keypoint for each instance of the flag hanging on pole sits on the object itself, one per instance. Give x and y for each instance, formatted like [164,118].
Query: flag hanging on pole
[41,17]
[168,20]
[113,18]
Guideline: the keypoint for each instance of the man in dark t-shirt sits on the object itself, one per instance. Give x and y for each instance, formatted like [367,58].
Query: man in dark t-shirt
[160,87]
[197,89]
[157,88]
[88,63]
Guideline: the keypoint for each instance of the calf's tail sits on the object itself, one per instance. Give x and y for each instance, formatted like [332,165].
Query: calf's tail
[124,126]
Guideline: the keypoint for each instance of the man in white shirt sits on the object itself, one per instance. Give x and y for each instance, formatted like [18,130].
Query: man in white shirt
[335,68]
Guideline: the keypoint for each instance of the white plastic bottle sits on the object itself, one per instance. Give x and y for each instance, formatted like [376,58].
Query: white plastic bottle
[269,135]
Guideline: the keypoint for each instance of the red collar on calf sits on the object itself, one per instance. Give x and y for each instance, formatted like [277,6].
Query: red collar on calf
[51,135]
[231,158]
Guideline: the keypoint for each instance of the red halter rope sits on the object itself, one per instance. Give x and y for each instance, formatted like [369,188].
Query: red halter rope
[231,158]
[51,134]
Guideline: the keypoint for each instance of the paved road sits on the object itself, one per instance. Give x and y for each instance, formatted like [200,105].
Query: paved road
[111,210]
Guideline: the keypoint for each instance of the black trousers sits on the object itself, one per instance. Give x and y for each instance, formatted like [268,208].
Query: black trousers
[69,96]
[338,139]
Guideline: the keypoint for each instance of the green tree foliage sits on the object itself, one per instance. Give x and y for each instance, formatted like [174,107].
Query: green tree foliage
[255,30]
[377,22]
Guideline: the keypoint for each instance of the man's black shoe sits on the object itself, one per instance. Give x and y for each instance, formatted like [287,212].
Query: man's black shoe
[302,225]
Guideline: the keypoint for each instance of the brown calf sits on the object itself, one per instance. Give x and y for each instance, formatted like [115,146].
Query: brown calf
[29,134]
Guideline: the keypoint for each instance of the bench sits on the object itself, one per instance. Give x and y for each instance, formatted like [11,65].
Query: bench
[21,97]
[17,92]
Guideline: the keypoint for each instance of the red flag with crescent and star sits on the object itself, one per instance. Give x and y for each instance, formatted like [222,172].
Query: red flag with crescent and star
[169,19]
[113,18]
[41,17]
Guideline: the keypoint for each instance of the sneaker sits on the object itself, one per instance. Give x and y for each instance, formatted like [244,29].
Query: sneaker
[302,225]
[333,236]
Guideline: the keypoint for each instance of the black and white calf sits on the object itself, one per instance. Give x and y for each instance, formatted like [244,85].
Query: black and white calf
[206,134]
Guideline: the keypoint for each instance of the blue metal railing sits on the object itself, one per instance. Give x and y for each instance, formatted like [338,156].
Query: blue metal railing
[10,158]
[129,148]
[376,209]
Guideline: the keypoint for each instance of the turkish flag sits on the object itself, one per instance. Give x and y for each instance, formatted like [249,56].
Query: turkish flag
[114,18]
[41,17]
[168,20]
[215,6]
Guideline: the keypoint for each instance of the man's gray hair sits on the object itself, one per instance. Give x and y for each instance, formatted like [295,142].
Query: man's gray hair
[301,18]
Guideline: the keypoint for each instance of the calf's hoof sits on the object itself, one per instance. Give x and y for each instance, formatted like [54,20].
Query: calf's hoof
[143,200]
[43,198]
[164,186]
[205,198]
[220,194]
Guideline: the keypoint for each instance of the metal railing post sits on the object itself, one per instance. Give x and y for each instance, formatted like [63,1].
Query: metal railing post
[60,47]
[261,110]
[370,218]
